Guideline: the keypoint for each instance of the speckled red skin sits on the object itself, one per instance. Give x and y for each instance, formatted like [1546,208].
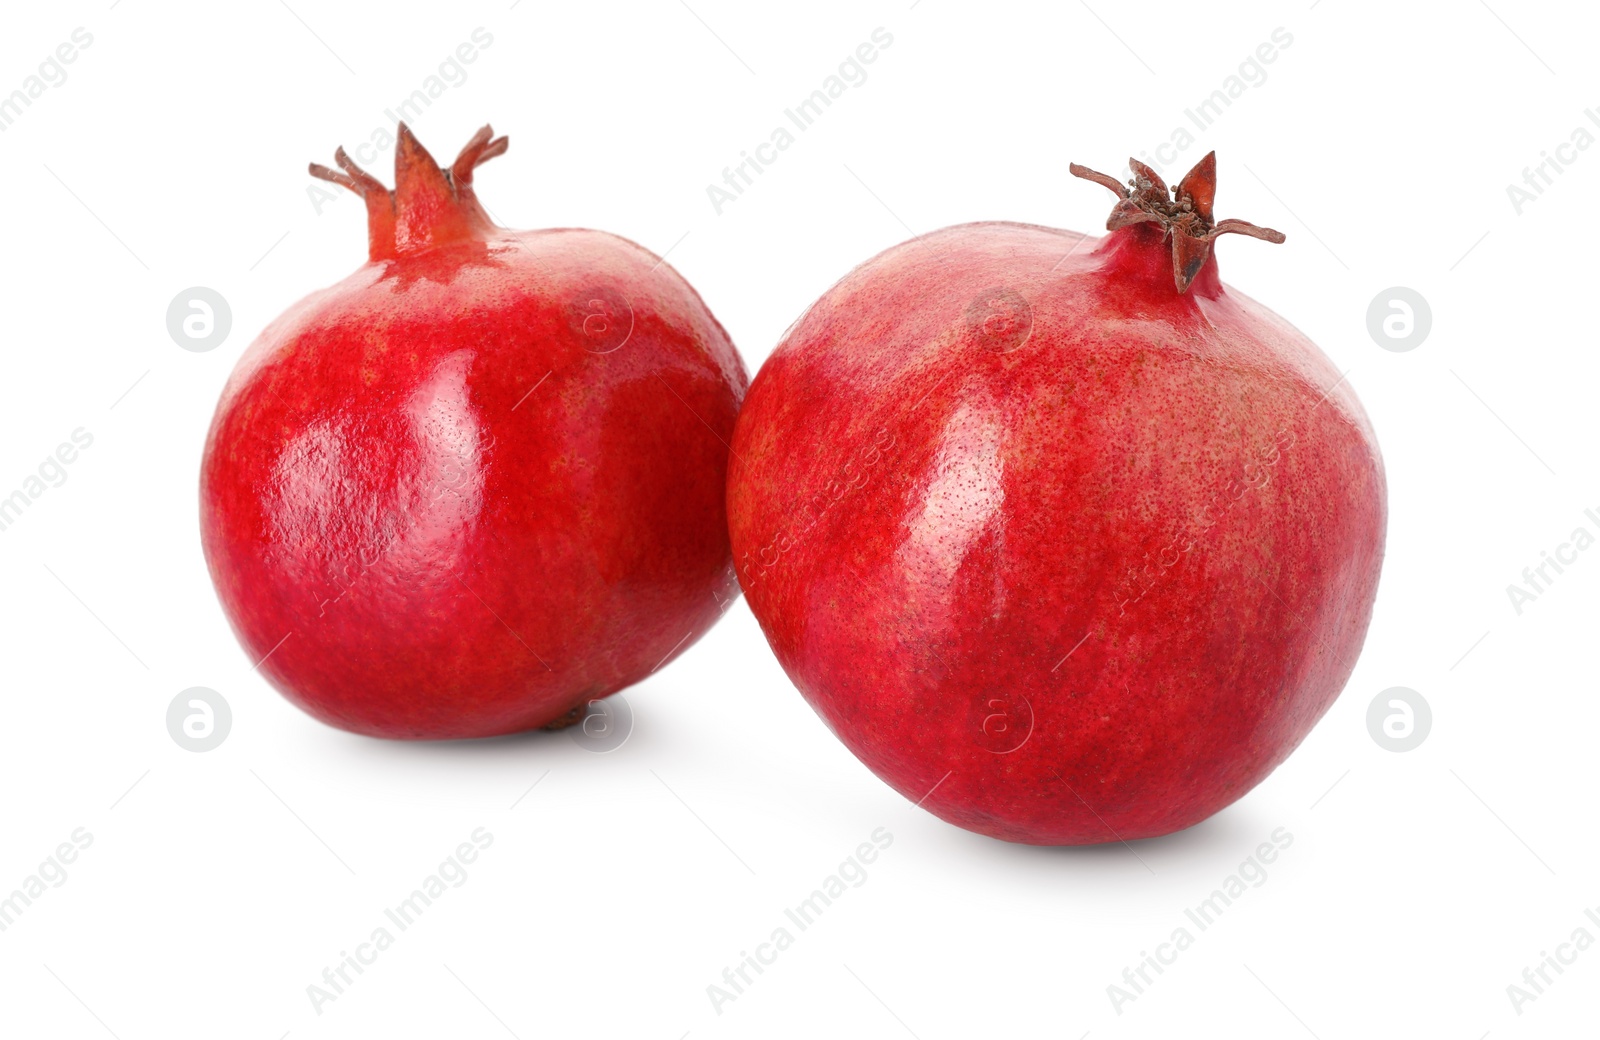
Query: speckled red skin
[1080,561]
[440,505]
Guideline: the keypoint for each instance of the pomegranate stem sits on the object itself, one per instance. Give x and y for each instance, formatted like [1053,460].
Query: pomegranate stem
[429,205]
[1184,216]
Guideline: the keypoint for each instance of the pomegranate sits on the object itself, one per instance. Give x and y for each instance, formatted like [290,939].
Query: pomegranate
[479,482]
[1067,541]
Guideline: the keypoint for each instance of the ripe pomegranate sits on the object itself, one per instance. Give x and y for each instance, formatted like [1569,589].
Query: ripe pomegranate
[1066,540]
[479,482]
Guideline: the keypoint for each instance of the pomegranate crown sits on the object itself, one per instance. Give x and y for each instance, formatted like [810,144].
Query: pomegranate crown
[429,206]
[1184,216]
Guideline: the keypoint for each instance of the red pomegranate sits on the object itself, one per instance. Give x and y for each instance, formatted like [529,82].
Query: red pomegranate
[479,482]
[1066,540]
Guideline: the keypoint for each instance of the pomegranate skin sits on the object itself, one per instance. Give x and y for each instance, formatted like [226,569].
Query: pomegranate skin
[1062,552]
[476,484]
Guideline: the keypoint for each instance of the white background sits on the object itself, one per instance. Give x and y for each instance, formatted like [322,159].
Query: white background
[219,885]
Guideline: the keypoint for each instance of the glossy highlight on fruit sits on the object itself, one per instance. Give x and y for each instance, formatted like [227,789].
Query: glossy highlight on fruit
[1067,541]
[478,483]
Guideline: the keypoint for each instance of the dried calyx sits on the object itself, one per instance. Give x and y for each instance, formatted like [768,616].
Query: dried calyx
[429,206]
[1184,215]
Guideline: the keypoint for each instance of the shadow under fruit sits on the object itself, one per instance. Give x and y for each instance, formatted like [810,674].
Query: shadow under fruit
[1063,538]
[478,483]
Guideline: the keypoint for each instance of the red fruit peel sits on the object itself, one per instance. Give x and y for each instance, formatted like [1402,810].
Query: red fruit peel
[1066,540]
[479,482]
